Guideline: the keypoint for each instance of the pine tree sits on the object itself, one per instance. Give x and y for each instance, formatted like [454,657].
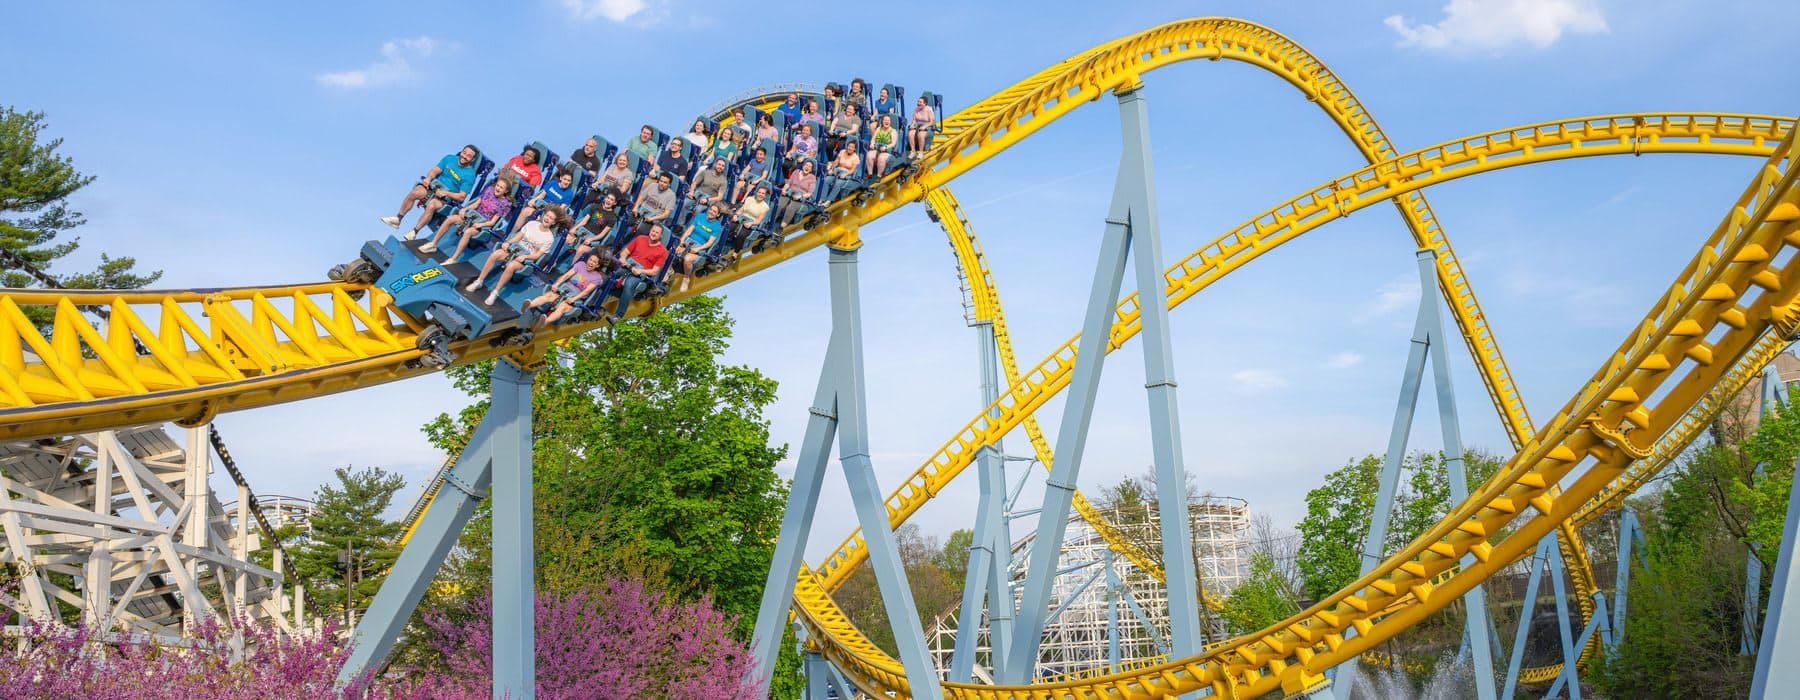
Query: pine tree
[350,548]
[35,184]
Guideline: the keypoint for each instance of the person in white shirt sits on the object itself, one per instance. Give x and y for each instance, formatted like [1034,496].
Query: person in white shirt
[531,242]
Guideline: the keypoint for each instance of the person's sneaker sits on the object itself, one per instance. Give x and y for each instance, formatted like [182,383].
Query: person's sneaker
[684,285]
[412,234]
[429,247]
[473,286]
[491,298]
[393,222]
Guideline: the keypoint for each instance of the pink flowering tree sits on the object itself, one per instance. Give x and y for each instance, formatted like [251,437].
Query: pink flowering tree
[59,663]
[620,641]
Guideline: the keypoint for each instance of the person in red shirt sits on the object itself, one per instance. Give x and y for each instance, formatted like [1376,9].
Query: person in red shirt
[639,264]
[525,165]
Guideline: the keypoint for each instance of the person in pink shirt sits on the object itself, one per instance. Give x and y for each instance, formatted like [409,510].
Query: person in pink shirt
[578,283]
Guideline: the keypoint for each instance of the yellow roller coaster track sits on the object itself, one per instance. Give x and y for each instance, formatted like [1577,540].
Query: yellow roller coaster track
[1693,327]
[222,350]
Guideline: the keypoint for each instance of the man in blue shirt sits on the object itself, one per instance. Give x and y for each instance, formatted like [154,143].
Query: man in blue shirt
[447,184]
[702,234]
[791,109]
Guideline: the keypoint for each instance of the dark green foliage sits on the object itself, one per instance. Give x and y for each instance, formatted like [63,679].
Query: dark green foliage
[1684,618]
[652,460]
[35,184]
[347,523]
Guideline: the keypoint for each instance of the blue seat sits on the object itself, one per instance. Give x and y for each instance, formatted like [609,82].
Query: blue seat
[547,159]
[936,102]
[898,95]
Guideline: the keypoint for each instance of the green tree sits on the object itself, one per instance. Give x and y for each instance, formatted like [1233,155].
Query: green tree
[350,547]
[1764,497]
[1684,617]
[1713,512]
[649,456]
[651,460]
[35,184]
[955,558]
[1339,511]
[1262,599]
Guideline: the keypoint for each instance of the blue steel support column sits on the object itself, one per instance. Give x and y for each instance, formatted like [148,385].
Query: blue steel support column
[1475,621]
[865,493]
[1072,432]
[514,557]
[1526,608]
[987,546]
[1401,430]
[1570,652]
[1000,606]
[1600,622]
[464,487]
[817,678]
[796,524]
[1145,231]
[1781,636]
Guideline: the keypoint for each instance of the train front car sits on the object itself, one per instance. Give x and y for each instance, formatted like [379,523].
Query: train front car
[426,288]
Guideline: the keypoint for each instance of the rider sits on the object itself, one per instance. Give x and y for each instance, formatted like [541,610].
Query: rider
[447,183]
[578,283]
[485,211]
[527,166]
[639,264]
[532,241]
[701,237]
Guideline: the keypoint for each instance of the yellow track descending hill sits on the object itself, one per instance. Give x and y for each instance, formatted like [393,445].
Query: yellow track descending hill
[268,345]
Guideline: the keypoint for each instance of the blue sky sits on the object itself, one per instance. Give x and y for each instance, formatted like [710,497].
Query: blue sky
[254,143]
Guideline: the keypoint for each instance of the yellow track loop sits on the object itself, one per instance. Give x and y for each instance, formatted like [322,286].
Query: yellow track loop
[1616,135]
[1740,287]
[1018,110]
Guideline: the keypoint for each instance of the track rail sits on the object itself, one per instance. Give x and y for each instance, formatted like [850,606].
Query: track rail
[1705,324]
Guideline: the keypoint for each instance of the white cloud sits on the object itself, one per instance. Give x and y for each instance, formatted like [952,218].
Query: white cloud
[394,66]
[1491,25]
[1257,380]
[614,10]
[1343,360]
[1398,293]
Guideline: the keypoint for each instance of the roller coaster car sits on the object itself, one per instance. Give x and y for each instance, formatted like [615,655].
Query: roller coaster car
[431,291]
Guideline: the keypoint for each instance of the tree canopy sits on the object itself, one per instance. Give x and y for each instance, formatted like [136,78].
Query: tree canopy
[349,547]
[1338,513]
[35,185]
